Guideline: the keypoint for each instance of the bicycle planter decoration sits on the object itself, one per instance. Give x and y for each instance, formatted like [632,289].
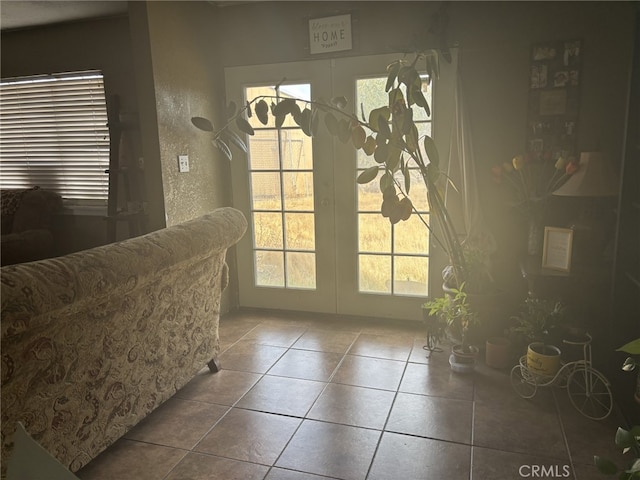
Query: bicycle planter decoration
[588,389]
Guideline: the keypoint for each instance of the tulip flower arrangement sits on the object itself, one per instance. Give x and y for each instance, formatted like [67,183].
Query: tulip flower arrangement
[532,178]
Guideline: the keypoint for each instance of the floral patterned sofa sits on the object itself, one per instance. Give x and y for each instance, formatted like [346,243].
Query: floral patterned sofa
[94,341]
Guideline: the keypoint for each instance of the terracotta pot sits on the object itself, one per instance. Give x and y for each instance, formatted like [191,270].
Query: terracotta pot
[498,352]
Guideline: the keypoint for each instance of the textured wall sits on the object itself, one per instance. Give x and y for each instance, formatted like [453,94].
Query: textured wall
[184,78]
[183,55]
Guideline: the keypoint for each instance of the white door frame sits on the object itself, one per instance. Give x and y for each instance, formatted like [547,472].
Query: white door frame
[336,242]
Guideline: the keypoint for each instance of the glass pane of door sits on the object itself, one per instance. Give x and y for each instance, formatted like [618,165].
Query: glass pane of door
[283,185]
[392,259]
[282,197]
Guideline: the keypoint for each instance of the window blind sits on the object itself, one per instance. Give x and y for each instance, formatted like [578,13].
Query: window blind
[54,134]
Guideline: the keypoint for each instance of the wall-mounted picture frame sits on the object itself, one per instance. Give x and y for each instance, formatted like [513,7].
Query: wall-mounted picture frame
[554,98]
[557,247]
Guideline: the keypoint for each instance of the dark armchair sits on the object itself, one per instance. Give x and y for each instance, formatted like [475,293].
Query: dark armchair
[26,224]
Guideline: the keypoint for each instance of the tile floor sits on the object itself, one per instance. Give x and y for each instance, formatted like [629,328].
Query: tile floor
[311,397]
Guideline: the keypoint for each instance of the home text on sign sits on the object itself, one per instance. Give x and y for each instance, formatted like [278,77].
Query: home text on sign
[330,34]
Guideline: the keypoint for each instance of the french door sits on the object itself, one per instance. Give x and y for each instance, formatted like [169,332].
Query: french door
[316,239]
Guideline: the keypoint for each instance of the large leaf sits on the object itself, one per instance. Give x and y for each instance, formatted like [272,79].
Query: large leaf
[418,98]
[632,348]
[382,153]
[624,438]
[605,465]
[386,181]
[295,110]
[383,128]
[244,126]
[368,175]
[629,364]
[369,145]
[396,101]
[393,159]
[407,75]
[233,137]
[377,114]
[223,147]
[433,67]
[411,139]
[202,124]
[432,151]
[393,74]
[407,121]
[288,105]
[407,176]
[358,136]
[304,121]
[635,468]
[262,112]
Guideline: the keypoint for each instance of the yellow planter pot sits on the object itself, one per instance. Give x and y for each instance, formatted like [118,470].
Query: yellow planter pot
[543,359]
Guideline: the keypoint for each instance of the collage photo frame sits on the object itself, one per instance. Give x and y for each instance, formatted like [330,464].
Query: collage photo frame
[554,98]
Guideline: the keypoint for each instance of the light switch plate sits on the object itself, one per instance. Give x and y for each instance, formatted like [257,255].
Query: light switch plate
[183,163]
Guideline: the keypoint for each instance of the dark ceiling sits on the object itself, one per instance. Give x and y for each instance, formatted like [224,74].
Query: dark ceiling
[16,14]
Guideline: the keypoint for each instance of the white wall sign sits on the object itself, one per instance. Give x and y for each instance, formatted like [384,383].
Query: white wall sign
[330,34]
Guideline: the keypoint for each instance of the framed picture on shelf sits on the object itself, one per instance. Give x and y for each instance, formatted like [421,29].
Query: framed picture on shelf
[556,250]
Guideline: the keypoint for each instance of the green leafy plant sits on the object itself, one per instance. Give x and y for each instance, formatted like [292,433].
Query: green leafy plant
[453,308]
[435,327]
[632,348]
[633,362]
[627,441]
[537,319]
[478,277]
[388,134]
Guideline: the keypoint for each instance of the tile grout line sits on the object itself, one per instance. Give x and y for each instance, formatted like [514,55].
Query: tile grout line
[384,427]
[302,419]
[564,432]
[473,428]
[229,408]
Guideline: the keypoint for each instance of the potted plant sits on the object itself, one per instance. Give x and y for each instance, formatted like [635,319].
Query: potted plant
[454,310]
[632,362]
[387,133]
[537,324]
[485,298]
[627,441]
[435,328]
[498,352]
